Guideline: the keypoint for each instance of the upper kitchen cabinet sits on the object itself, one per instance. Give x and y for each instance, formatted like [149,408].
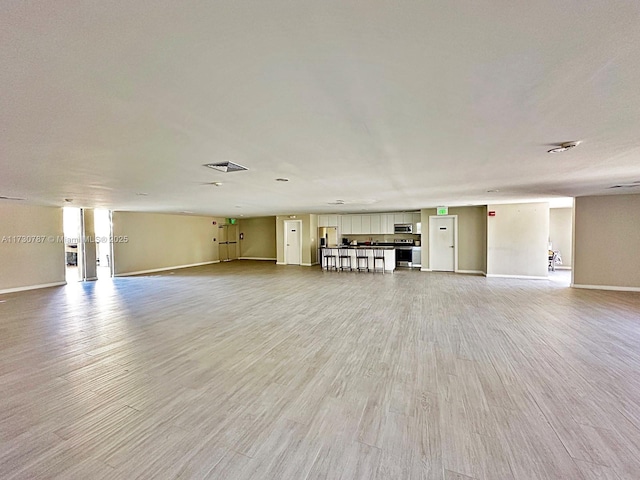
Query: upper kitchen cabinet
[387,221]
[327,220]
[366,224]
[373,224]
[356,225]
[376,224]
[345,225]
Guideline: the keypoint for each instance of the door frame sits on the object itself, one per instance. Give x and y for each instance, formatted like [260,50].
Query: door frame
[286,238]
[455,239]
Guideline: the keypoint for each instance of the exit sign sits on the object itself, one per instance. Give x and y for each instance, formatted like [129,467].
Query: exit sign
[232,221]
[443,210]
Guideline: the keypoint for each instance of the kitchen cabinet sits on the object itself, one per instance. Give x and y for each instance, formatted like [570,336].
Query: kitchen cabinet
[376,224]
[356,225]
[388,221]
[345,225]
[327,220]
[370,224]
[366,224]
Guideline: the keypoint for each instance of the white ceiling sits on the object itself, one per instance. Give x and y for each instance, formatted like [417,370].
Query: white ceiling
[383,104]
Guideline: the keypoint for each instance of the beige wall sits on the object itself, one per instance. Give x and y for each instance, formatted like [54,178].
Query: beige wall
[472,237]
[607,241]
[157,241]
[518,239]
[309,237]
[561,232]
[90,250]
[30,264]
[259,237]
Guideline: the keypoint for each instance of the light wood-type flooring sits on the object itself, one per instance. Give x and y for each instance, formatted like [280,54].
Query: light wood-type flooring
[249,370]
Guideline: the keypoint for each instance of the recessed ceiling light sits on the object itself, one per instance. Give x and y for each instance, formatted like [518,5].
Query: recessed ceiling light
[282,179]
[563,147]
[226,167]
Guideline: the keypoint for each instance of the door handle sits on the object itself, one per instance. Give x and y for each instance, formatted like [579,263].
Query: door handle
[452,246]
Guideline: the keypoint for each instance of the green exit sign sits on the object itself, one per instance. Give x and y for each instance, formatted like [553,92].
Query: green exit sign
[443,210]
[232,221]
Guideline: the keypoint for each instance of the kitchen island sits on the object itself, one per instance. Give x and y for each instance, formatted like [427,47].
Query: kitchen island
[353,251]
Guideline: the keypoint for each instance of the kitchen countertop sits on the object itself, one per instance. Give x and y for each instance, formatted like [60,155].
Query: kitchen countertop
[368,247]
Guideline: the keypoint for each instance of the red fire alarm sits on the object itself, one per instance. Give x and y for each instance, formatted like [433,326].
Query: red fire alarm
[492,213]
[214,223]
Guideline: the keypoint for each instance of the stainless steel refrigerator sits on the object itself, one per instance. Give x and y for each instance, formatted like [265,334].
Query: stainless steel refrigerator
[228,242]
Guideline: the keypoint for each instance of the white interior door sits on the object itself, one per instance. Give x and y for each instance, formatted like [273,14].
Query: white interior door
[442,244]
[293,242]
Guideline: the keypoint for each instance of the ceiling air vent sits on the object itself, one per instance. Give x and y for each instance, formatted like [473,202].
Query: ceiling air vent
[226,167]
[10,198]
[626,185]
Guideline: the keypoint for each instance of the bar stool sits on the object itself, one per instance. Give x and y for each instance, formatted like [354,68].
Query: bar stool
[378,254]
[343,254]
[329,255]
[361,255]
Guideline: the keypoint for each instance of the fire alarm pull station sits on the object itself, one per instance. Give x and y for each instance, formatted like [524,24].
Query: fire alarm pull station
[492,213]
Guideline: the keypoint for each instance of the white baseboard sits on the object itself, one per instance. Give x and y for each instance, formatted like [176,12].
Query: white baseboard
[280,263]
[563,267]
[606,287]
[91,279]
[164,269]
[258,258]
[425,270]
[32,287]
[522,277]
[471,272]
[305,265]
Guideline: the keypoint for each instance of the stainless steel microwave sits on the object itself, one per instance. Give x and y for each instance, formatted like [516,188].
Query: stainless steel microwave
[403,228]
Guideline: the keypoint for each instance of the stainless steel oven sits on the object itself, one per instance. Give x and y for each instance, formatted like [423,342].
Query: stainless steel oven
[404,252]
[403,228]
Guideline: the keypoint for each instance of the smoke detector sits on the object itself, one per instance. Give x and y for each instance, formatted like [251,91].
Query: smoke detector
[226,167]
[563,147]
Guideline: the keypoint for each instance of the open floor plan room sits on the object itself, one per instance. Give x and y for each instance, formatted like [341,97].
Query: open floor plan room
[247,370]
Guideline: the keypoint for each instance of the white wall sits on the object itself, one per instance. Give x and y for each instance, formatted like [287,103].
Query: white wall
[162,241]
[517,240]
[607,241]
[561,233]
[24,265]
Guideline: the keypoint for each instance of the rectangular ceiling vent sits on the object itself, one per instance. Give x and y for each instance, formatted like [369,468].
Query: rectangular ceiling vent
[10,198]
[226,167]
